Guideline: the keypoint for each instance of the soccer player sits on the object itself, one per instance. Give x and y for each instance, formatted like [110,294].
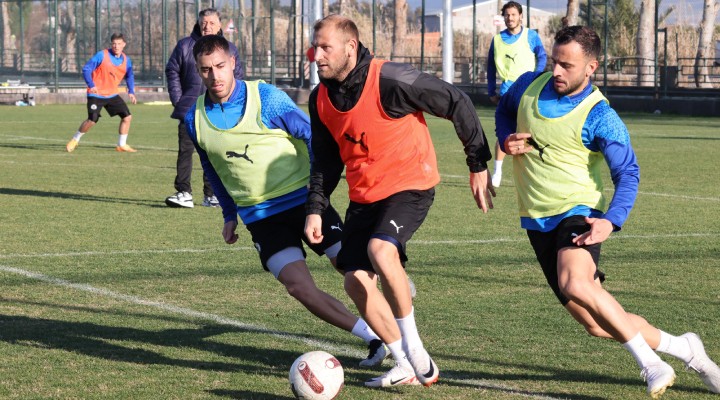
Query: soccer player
[367,116]
[253,144]
[103,74]
[513,52]
[560,130]
[184,87]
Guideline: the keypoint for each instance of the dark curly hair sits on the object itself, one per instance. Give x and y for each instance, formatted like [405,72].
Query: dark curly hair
[588,40]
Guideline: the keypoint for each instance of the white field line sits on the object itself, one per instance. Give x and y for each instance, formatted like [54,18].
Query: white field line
[124,252]
[187,312]
[245,248]
[181,310]
[677,196]
[18,137]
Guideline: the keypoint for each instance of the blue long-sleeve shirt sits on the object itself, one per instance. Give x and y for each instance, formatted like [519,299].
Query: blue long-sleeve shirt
[535,45]
[603,131]
[95,62]
[278,112]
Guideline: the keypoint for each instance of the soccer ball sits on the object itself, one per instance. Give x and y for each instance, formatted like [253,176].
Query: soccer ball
[316,375]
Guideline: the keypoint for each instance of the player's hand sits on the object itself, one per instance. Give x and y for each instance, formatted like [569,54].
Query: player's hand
[228,232]
[495,99]
[517,144]
[482,190]
[93,90]
[600,229]
[133,99]
[313,228]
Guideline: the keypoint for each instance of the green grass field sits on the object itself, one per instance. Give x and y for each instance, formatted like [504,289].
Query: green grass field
[106,293]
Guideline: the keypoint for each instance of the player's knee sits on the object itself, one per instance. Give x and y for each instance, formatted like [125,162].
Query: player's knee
[382,252]
[595,330]
[575,290]
[93,118]
[127,119]
[301,289]
[354,287]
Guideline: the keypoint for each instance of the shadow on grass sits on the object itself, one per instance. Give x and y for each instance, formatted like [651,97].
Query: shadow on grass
[108,342]
[245,394]
[540,373]
[682,137]
[86,197]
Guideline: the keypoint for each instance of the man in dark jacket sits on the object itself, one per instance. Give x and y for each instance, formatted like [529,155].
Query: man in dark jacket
[184,87]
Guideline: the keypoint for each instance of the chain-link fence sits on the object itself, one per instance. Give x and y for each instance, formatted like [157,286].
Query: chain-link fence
[47,42]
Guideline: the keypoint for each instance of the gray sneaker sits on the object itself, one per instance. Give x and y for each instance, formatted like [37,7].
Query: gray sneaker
[702,364]
[210,201]
[180,199]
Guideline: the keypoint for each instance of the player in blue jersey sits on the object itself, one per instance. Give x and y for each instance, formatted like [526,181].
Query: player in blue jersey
[254,146]
[103,74]
[513,52]
[561,130]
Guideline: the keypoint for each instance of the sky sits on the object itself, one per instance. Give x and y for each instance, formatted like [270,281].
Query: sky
[688,11]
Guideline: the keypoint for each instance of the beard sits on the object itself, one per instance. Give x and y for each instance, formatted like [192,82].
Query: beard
[336,72]
[567,88]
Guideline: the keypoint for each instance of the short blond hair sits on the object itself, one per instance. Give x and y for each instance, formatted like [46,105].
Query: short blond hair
[340,23]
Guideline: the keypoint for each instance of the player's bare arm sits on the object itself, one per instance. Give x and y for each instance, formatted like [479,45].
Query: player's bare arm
[516,144]
[600,230]
[482,190]
[228,232]
[313,228]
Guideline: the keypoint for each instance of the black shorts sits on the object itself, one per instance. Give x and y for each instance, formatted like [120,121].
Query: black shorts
[114,105]
[287,229]
[394,219]
[548,244]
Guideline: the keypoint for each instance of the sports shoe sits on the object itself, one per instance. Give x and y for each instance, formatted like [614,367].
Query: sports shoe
[125,149]
[210,201]
[180,199]
[426,370]
[702,364]
[659,376]
[71,145]
[397,376]
[376,355]
[496,179]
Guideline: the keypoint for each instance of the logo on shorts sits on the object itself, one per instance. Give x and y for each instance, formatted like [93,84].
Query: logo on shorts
[336,227]
[397,228]
[93,107]
[232,154]
[257,247]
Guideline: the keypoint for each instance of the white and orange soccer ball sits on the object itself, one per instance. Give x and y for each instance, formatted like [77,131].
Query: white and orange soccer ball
[316,375]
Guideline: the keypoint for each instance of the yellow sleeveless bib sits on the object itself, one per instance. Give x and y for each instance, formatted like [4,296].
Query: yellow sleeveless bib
[560,173]
[255,163]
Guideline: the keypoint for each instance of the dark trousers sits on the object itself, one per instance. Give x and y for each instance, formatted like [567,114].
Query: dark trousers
[186,148]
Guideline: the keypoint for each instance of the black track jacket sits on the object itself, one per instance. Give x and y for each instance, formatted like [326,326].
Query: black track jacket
[403,90]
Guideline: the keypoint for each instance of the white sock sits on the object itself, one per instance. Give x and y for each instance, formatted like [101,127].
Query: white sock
[498,167]
[363,331]
[122,140]
[78,135]
[409,331]
[641,351]
[675,346]
[398,354]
